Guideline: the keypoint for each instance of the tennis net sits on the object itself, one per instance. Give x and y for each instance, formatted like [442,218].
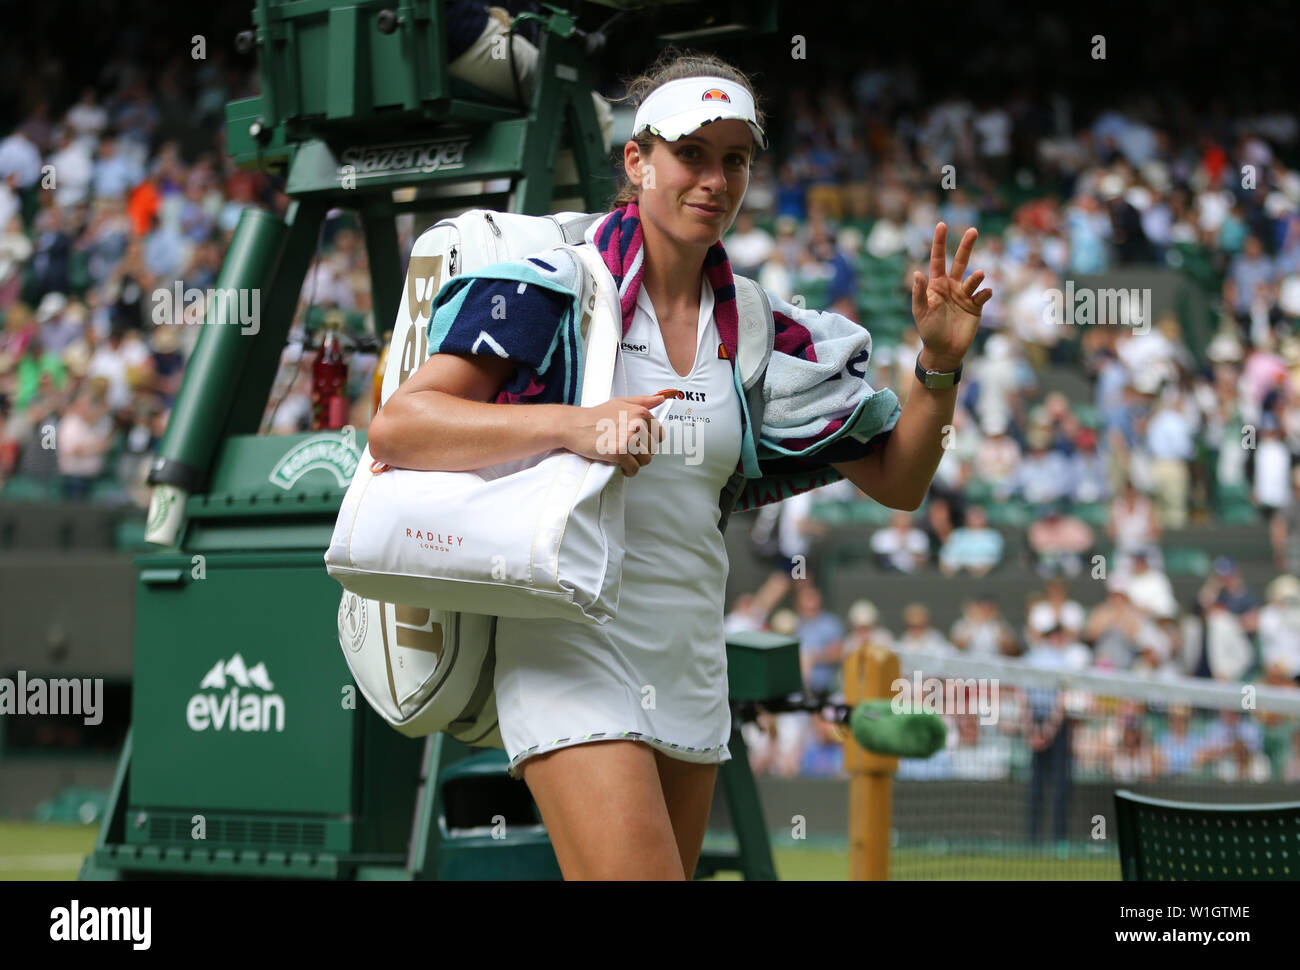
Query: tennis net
[1025,787]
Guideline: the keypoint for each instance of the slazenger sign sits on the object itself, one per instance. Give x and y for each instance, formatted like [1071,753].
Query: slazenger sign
[326,453]
[404,159]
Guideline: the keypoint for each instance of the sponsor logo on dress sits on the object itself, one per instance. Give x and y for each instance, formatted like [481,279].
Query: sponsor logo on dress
[697,396]
[628,347]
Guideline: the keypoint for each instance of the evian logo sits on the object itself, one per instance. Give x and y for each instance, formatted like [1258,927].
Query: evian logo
[434,540]
[249,711]
[324,452]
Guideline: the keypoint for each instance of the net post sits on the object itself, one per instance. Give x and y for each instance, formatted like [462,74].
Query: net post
[869,673]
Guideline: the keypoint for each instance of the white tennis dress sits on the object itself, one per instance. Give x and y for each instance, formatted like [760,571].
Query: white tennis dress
[657,672]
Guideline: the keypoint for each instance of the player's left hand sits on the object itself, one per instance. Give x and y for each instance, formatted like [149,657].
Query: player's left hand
[947,308]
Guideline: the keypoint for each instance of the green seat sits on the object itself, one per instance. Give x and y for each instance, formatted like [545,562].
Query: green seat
[994,224]
[887,304]
[890,327]
[1096,514]
[489,824]
[1186,561]
[23,489]
[1168,840]
[1012,513]
[978,491]
[832,513]
[128,536]
[108,491]
[851,512]
[1232,505]
[815,292]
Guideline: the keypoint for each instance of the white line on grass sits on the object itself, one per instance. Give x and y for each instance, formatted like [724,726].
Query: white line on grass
[73,861]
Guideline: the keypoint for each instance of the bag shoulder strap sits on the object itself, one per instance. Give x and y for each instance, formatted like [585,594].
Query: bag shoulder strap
[574,232]
[601,324]
[756,339]
[757,330]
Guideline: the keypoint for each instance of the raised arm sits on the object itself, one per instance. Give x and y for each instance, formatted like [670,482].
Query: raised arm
[947,313]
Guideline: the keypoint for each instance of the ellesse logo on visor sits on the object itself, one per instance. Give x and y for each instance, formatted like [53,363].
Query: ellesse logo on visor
[715,94]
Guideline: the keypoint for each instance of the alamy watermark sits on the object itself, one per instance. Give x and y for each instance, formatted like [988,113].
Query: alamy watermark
[238,306]
[36,695]
[1084,306]
[683,435]
[952,695]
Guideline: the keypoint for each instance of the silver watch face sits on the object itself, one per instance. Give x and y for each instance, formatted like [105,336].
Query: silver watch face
[939,380]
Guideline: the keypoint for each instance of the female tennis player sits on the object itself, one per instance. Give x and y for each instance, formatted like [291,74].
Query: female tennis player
[618,730]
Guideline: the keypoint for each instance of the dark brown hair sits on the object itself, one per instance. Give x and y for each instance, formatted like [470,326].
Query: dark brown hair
[673,64]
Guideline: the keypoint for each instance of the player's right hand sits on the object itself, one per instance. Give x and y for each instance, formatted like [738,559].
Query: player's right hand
[620,432]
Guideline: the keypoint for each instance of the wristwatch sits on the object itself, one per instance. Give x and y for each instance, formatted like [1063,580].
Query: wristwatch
[937,380]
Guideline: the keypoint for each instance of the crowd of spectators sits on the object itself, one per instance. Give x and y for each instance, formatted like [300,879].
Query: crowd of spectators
[108,199]
[1133,630]
[1165,437]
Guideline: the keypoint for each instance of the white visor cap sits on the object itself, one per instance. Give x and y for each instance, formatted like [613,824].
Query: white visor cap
[679,107]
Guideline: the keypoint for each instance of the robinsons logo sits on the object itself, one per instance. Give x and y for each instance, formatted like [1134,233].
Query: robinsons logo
[324,452]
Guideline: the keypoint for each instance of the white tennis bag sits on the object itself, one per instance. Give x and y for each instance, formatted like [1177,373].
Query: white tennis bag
[428,668]
[535,538]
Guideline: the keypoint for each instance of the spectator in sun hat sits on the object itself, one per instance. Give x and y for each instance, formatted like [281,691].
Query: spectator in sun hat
[865,629]
[1054,607]
[168,361]
[59,327]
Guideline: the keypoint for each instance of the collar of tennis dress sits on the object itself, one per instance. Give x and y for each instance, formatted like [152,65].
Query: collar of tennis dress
[679,107]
